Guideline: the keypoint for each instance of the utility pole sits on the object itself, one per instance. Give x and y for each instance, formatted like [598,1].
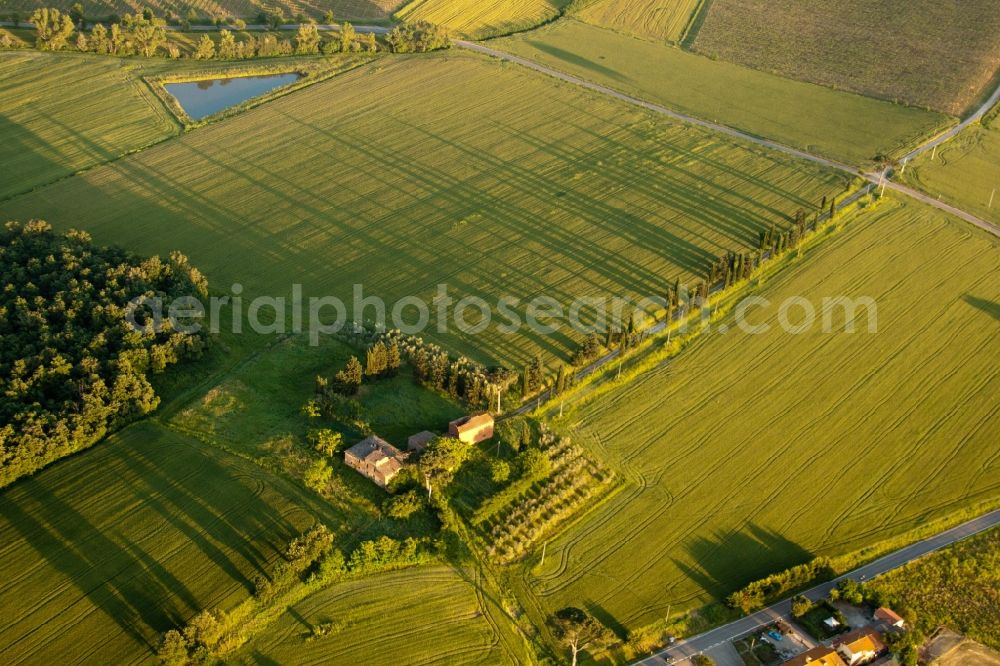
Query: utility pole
[542,563]
[903,170]
[561,404]
[934,152]
[990,206]
[619,375]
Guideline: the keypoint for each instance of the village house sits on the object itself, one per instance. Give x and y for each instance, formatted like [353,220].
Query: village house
[818,656]
[420,441]
[889,618]
[472,429]
[859,646]
[375,458]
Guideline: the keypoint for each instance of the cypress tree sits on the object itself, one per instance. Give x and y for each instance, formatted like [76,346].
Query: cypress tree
[439,371]
[561,379]
[393,360]
[421,366]
[349,378]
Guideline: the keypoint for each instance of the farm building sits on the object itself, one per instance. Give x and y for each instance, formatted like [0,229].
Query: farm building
[859,646]
[375,458]
[889,617]
[472,429]
[818,656]
[420,441]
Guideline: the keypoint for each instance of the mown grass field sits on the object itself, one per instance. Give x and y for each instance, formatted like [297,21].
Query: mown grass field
[371,10]
[840,125]
[751,453]
[106,550]
[419,616]
[964,172]
[482,18]
[430,170]
[662,20]
[941,55]
[59,115]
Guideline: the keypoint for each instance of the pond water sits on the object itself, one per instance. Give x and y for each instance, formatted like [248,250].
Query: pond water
[203,98]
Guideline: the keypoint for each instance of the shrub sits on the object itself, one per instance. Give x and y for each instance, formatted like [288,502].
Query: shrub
[499,471]
[325,441]
[800,606]
[317,476]
[403,506]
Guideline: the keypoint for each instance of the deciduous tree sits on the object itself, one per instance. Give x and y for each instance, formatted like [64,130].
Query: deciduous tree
[52,29]
[577,630]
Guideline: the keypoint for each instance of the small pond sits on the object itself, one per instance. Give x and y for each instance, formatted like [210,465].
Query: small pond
[203,98]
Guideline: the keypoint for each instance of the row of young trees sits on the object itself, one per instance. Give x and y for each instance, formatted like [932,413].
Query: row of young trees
[460,377]
[144,34]
[136,34]
[307,41]
[72,367]
[570,482]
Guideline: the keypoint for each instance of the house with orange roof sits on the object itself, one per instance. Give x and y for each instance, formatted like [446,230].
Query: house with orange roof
[818,656]
[859,646]
[889,618]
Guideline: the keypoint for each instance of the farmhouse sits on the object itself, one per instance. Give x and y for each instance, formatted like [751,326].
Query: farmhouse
[818,656]
[859,646]
[375,458]
[889,618]
[420,441]
[472,429]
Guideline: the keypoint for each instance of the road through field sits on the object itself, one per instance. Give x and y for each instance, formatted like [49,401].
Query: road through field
[877,177]
[782,610]
[604,90]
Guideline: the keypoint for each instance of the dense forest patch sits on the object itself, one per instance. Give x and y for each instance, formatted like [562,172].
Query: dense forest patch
[71,366]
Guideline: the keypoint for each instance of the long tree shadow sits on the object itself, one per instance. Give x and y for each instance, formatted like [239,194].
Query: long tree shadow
[992,308]
[728,562]
[82,552]
[169,507]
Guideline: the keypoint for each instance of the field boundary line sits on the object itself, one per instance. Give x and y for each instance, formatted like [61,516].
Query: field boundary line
[657,108]
[880,178]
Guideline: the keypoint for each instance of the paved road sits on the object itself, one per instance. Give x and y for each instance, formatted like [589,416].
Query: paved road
[953,132]
[788,150]
[604,90]
[659,326]
[782,610]
[920,196]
